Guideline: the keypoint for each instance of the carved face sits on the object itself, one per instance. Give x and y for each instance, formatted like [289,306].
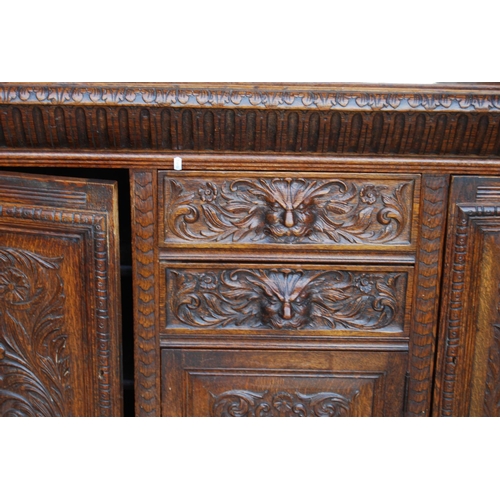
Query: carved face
[286,300]
[289,208]
[290,220]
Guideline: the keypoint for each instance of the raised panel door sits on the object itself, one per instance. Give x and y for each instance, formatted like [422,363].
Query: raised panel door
[59,297]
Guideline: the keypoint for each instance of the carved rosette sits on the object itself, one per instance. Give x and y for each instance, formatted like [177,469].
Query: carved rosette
[34,362]
[286,210]
[285,299]
[242,403]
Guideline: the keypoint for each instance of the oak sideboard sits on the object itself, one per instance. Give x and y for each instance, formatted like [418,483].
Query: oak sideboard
[249,250]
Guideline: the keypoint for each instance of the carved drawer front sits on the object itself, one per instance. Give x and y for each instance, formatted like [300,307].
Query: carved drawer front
[225,383]
[277,210]
[253,299]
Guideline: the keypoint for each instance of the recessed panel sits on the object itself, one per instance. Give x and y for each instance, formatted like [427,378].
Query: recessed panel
[225,383]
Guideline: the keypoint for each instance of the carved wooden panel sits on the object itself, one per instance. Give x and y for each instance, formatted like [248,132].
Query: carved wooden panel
[273,209]
[59,298]
[305,300]
[467,381]
[225,383]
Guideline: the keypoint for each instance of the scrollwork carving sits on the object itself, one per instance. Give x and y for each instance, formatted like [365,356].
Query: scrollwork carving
[287,210]
[242,403]
[98,225]
[34,362]
[285,299]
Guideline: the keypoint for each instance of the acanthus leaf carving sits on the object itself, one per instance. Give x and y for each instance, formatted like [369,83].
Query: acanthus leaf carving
[219,98]
[34,363]
[101,283]
[356,99]
[8,94]
[481,103]
[113,96]
[24,94]
[41,93]
[117,95]
[203,97]
[324,100]
[166,97]
[377,101]
[286,210]
[495,101]
[276,99]
[244,403]
[149,95]
[255,98]
[58,95]
[236,98]
[285,299]
[183,96]
[95,94]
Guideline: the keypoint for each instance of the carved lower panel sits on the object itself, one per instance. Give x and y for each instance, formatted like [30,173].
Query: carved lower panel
[285,299]
[146,343]
[287,210]
[240,403]
[275,383]
[426,301]
[34,362]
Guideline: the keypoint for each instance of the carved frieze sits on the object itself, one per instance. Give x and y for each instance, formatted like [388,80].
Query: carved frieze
[34,362]
[285,299]
[273,97]
[244,403]
[287,210]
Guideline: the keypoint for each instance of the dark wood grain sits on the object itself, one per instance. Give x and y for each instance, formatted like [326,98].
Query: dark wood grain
[296,300]
[50,258]
[143,188]
[268,118]
[466,381]
[427,287]
[304,209]
[280,383]
[296,266]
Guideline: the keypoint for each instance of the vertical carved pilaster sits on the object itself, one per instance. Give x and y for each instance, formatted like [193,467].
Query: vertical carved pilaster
[147,381]
[425,309]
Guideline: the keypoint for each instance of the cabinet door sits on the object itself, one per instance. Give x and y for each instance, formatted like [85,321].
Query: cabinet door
[468,369]
[59,297]
[279,383]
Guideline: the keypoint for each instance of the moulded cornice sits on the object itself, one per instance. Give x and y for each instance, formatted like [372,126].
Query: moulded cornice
[260,96]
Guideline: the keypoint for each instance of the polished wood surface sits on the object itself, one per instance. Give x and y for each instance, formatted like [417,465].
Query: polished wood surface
[326,250]
[314,210]
[60,305]
[326,119]
[272,383]
[468,382]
